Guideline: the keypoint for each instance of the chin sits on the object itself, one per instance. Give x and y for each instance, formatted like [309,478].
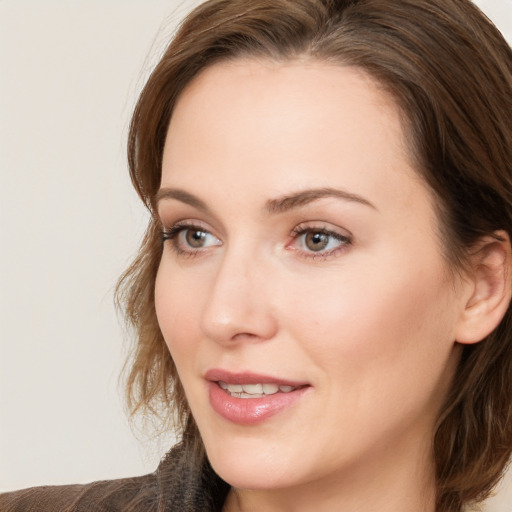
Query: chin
[253,464]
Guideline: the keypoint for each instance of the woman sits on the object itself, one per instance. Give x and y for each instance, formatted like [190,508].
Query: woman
[322,297]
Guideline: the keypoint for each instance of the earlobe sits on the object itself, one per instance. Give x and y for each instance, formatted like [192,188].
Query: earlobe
[489,289]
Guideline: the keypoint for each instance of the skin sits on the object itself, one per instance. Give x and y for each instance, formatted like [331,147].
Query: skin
[370,323]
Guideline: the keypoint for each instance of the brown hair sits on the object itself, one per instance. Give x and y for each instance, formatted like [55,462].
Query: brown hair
[450,71]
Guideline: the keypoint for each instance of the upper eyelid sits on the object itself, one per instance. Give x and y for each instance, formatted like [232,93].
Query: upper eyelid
[169,216]
[186,224]
[322,226]
[334,234]
[166,210]
[298,229]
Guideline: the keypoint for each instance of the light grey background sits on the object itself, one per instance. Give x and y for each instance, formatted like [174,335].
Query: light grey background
[70,72]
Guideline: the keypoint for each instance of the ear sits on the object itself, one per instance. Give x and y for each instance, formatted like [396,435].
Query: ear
[488,288]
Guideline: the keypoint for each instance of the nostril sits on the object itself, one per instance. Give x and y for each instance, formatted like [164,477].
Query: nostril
[244,335]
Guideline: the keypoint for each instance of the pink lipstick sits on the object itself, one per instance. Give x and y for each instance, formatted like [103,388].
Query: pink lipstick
[249,398]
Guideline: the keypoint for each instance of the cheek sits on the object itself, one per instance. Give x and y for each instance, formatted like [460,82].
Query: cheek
[176,306]
[390,330]
[383,350]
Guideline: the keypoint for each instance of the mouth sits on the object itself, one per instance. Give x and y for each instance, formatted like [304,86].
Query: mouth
[248,398]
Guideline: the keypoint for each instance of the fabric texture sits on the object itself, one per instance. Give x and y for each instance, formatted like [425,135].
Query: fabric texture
[177,485]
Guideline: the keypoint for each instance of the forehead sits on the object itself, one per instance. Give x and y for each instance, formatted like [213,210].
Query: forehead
[258,125]
[304,97]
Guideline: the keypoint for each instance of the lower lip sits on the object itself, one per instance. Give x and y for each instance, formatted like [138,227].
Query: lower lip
[250,411]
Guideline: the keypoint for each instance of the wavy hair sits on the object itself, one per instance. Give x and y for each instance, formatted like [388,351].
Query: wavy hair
[449,70]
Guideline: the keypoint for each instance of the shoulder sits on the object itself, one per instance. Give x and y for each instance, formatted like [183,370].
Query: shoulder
[139,493]
[181,483]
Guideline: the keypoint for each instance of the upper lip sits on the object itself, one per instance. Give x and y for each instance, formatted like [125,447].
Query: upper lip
[218,374]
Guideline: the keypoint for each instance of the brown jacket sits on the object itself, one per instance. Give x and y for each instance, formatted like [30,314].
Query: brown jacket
[175,486]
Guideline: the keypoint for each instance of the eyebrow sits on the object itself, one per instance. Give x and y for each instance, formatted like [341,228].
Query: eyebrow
[302,198]
[273,206]
[182,196]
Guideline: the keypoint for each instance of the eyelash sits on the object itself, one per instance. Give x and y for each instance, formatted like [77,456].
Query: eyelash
[174,231]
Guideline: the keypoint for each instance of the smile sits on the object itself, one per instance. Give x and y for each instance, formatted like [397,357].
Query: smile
[248,399]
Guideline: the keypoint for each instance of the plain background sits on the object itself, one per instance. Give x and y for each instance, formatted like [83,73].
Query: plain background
[70,72]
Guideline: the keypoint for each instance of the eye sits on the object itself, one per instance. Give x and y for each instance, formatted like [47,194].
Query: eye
[194,238]
[314,241]
[186,238]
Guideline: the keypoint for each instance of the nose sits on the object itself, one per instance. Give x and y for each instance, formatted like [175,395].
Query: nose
[238,307]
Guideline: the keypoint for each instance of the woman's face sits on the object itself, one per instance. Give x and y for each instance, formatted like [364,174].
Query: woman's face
[302,270]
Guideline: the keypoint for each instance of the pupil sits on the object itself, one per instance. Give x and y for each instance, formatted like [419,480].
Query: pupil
[195,238]
[317,241]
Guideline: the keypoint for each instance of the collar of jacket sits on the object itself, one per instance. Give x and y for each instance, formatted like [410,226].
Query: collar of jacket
[187,486]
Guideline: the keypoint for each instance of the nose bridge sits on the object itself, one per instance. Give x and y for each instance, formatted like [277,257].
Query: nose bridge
[238,305]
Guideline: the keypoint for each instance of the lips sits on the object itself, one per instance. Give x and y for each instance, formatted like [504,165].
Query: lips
[248,399]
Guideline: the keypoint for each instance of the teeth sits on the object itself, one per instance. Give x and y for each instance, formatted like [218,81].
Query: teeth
[254,390]
[270,389]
